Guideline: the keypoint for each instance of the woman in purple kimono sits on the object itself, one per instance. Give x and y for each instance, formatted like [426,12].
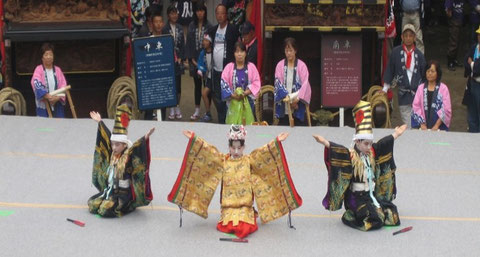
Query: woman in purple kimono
[47,78]
[431,107]
[240,74]
[291,85]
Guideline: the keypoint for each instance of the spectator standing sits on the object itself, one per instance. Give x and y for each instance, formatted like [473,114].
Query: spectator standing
[204,70]
[224,36]
[431,108]
[250,41]
[472,71]
[146,29]
[185,14]
[405,69]
[240,74]
[413,12]
[196,32]
[474,19]
[138,9]
[176,31]
[157,25]
[47,78]
[291,85]
[455,13]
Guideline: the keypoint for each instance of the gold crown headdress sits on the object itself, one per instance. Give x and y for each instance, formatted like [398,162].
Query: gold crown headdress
[362,115]
[120,128]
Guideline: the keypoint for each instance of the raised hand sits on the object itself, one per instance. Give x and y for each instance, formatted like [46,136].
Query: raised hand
[188,133]
[149,133]
[282,136]
[322,140]
[399,131]
[95,116]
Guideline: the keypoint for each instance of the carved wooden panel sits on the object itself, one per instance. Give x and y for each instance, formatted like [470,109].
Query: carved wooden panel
[64,10]
[324,15]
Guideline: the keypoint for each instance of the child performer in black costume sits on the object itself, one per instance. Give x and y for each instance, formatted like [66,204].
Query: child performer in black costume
[120,168]
[362,177]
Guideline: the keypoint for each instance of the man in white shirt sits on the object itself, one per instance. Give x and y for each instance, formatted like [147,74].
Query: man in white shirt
[224,36]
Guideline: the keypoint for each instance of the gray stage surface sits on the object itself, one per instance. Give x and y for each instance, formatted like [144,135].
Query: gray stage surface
[45,177]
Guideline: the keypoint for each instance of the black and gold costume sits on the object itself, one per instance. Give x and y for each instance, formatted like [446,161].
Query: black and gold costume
[350,181]
[123,181]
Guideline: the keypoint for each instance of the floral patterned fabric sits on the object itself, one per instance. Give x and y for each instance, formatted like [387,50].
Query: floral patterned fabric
[263,175]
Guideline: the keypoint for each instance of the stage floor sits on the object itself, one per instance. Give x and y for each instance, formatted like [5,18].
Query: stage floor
[46,177]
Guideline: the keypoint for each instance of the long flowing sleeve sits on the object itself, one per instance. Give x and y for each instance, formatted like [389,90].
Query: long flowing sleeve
[390,68]
[280,88]
[385,188]
[39,87]
[101,157]
[272,184]
[199,175]
[385,182]
[445,112]
[139,168]
[305,92]
[254,80]
[340,172]
[418,112]
[226,84]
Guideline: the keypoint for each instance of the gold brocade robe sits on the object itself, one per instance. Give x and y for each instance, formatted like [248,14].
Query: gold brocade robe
[237,194]
[263,175]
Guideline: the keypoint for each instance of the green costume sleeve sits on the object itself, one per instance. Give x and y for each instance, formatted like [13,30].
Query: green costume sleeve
[385,185]
[101,157]
[339,168]
[139,168]
[385,188]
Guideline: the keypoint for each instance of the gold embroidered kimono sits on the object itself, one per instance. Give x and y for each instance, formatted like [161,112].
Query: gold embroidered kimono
[263,175]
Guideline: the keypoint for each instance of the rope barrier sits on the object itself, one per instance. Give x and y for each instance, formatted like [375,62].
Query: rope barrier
[122,91]
[377,100]
[381,100]
[9,95]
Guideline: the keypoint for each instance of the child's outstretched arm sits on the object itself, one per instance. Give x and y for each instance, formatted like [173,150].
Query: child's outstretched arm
[95,116]
[188,133]
[282,136]
[399,131]
[149,133]
[322,140]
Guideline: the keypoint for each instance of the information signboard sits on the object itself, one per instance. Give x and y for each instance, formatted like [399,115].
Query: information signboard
[341,70]
[154,72]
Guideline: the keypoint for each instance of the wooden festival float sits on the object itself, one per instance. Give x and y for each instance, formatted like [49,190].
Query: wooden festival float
[91,41]
[314,23]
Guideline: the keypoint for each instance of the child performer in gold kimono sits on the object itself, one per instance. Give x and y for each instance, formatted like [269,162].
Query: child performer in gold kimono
[120,168]
[262,175]
[362,177]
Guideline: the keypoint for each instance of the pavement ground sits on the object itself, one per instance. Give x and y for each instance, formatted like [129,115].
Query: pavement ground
[46,178]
